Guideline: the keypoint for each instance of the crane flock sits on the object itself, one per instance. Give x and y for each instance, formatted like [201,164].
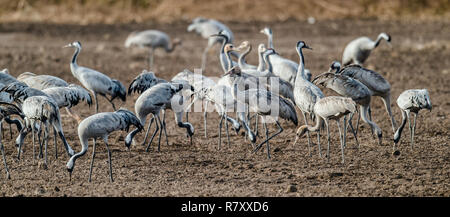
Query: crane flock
[271,90]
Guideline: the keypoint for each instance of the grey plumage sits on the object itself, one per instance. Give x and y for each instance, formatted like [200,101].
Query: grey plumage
[206,28]
[95,81]
[7,109]
[265,104]
[6,78]
[358,50]
[152,39]
[41,82]
[413,101]
[69,96]
[331,107]
[282,67]
[20,91]
[100,126]
[349,87]
[45,110]
[377,85]
[306,94]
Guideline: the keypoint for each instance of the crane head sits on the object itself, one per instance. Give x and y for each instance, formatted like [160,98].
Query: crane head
[229,47]
[243,45]
[266,31]
[335,65]
[302,44]
[76,44]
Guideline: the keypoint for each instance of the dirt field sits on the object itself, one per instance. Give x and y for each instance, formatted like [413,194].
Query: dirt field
[419,58]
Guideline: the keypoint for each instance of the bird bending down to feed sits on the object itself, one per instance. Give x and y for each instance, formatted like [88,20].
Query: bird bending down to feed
[378,86]
[206,28]
[152,39]
[7,109]
[45,110]
[95,81]
[152,101]
[358,50]
[357,91]
[146,80]
[266,104]
[331,107]
[100,126]
[411,101]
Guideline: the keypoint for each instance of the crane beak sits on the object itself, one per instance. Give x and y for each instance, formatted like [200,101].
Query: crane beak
[68,45]
[307,47]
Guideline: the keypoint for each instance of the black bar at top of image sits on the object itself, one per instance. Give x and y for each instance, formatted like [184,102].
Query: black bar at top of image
[231,206]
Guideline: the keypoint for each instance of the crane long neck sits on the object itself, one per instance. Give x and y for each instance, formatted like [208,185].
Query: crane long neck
[243,55]
[75,56]
[84,148]
[319,122]
[398,133]
[261,64]
[229,61]
[269,64]
[171,47]
[223,56]
[377,42]
[301,66]
[270,40]
[364,111]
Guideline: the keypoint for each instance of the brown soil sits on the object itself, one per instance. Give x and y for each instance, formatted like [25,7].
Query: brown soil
[419,58]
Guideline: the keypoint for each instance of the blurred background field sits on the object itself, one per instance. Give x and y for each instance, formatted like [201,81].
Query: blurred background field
[168,11]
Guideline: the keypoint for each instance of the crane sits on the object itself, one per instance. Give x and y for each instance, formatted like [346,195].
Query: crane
[358,50]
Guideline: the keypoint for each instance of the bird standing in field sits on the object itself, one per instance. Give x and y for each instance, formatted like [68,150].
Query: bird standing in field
[95,81]
[100,126]
[331,107]
[306,94]
[266,104]
[377,85]
[146,80]
[282,67]
[411,101]
[152,101]
[357,91]
[206,28]
[7,109]
[358,50]
[152,39]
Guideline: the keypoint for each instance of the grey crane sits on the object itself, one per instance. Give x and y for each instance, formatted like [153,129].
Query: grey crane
[207,27]
[413,101]
[377,85]
[285,68]
[266,104]
[7,98]
[152,101]
[5,79]
[100,126]
[146,80]
[349,87]
[152,39]
[241,60]
[331,107]
[306,94]
[42,82]
[44,109]
[7,109]
[225,61]
[95,81]
[358,50]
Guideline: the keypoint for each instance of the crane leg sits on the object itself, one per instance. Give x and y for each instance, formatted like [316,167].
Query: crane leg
[353,130]
[4,160]
[150,60]
[318,143]
[413,130]
[267,139]
[73,115]
[109,161]
[164,126]
[328,138]
[220,131]
[226,127]
[96,101]
[275,134]
[205,114]
[160,132]
[148,129]
[1,128]
[153,136]
[369,111]
[307,134]
[54,140]
[92,161]
[45,141]
[342,135]
[32,132]
[387,104]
